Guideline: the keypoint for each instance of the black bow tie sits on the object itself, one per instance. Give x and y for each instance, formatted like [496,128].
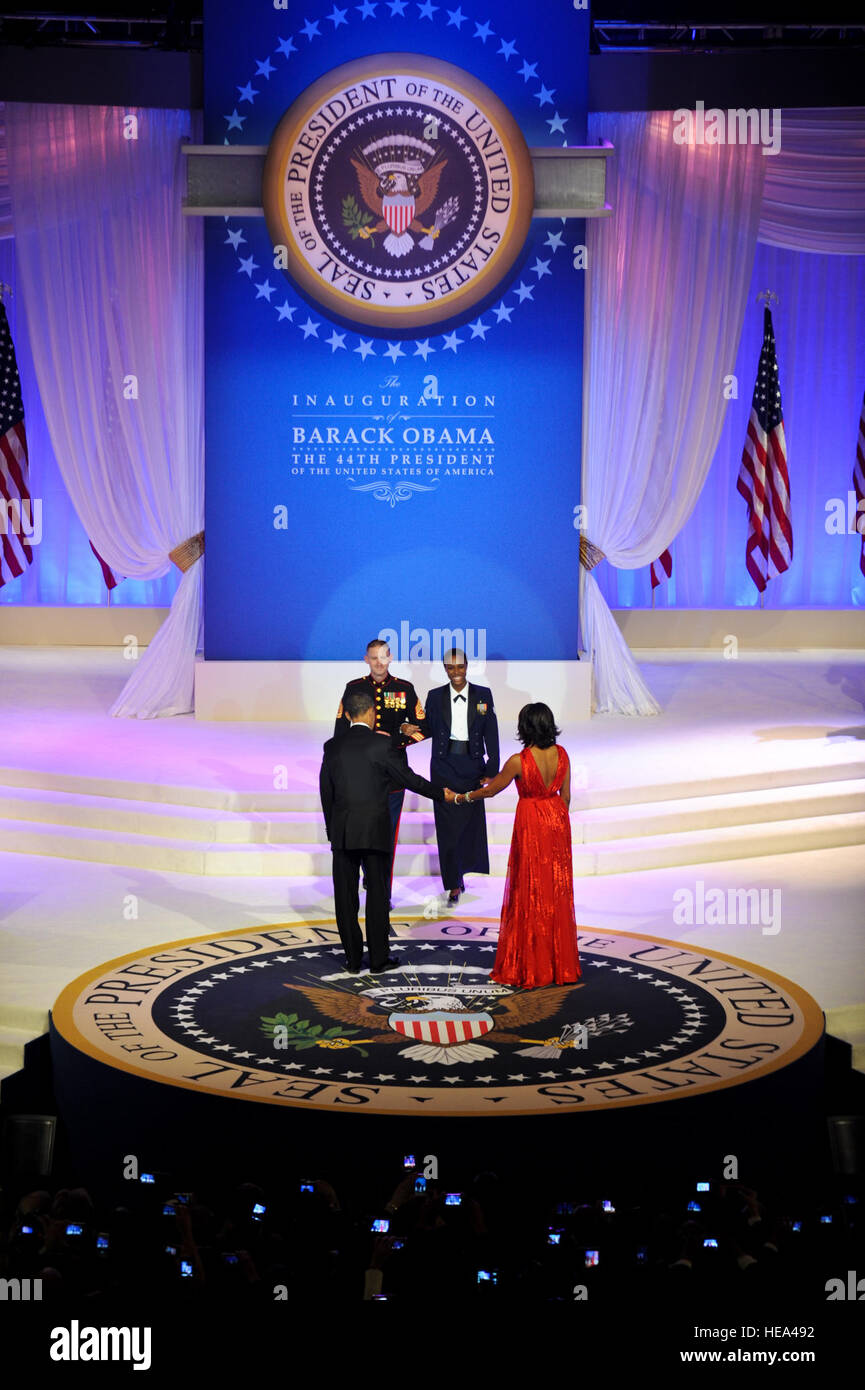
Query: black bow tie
[459,697]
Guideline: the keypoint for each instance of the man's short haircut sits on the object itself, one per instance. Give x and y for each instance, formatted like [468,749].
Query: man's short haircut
[377,642]
[357,702]
[454,651]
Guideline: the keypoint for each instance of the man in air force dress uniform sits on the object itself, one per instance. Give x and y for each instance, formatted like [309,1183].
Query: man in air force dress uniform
[465,748]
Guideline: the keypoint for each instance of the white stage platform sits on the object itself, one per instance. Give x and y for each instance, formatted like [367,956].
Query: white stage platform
[277,691]
[752,776]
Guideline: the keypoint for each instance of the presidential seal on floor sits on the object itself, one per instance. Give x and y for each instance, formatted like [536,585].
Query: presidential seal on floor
[272,1016]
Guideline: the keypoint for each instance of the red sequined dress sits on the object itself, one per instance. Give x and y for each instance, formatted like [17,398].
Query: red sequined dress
[538,932]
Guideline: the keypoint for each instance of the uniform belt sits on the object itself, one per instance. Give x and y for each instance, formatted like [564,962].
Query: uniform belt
[458,745]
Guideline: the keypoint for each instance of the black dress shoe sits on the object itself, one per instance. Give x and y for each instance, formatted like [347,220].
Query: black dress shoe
[390,964]
[353,969]
[453,896]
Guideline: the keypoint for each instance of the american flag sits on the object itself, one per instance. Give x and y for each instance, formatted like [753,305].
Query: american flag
[16,508]
[763,479]
[859,485]
[663,563]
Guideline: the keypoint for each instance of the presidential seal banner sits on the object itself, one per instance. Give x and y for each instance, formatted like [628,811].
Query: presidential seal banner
[393,352]
[402,190]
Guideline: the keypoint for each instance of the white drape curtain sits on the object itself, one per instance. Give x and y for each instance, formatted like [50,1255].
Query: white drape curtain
[112,278]
[820,336]
[5,201]
[814,196]
[812,219]
[667,281]
[65,571]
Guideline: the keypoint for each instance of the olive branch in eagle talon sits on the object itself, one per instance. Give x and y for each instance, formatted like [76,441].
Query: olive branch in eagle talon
[356,220]
[300,1033]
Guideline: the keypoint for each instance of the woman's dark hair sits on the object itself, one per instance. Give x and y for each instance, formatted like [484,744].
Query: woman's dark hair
[536,726]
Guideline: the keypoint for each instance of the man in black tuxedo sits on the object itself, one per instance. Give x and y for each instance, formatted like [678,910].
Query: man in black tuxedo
[465,749]
[357,773]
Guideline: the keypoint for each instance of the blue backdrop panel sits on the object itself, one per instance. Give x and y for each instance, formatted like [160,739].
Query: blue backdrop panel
[313,548]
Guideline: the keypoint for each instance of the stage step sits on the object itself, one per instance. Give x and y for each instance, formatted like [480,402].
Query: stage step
[705,846]
[223,827]
[171,854]
[19,1025]
[305,797]
[12,1044]
[164,820]
[848,1024]
[715,811]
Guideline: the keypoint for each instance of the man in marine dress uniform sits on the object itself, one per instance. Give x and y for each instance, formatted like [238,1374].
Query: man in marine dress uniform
[465,748]
[398,713]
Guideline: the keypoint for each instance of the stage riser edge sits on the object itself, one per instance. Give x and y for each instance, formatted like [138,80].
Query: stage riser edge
[415,860]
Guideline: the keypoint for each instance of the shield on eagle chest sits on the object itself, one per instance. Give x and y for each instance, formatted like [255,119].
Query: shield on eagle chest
[398,212]
[440,1027]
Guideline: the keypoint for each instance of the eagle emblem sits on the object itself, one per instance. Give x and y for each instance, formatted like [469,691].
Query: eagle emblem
[398,179]
[441,1022]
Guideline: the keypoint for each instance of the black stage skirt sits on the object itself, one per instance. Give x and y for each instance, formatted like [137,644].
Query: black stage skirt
[461,831]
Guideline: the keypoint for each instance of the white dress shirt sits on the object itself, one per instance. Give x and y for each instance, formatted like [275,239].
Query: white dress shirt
[460,713]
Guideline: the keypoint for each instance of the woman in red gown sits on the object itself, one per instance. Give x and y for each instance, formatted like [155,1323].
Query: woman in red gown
[538,933]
